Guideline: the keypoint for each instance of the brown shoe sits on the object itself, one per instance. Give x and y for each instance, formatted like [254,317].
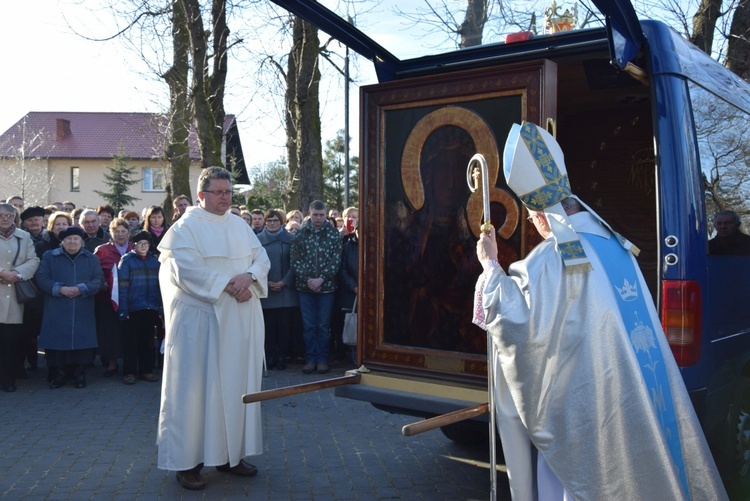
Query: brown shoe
[243,469]
[148,377]
[191,479]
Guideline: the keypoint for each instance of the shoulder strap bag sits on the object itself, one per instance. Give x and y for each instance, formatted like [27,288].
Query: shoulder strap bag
[26,290]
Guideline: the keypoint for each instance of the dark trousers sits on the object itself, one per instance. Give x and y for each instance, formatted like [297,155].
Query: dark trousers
[10,336]
[68,364]
[278,328]
[138,342]
[296,347]
[27,347]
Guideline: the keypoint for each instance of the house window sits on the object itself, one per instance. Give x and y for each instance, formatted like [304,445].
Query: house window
[75,176]
[154,179]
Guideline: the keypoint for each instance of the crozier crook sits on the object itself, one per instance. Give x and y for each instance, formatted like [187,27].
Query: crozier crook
[472,173]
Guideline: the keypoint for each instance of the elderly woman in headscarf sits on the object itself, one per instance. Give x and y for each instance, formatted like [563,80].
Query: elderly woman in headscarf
[69,276]
[18,262]
[56,222]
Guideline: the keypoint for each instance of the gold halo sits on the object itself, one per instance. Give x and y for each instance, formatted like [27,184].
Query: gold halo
[484,141]
[475,212]
[473,124]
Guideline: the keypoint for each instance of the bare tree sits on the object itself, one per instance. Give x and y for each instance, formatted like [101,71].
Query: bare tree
[178,151]
[465,27]
[28,174]
[304,148]
[738,45]
[474,22]
[294,84]
[195,74]
[724,146]
[209,74]
[470,30]
[704,24]
[732,25]
[721,29]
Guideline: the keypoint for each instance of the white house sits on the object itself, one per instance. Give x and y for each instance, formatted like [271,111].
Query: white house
[51,157]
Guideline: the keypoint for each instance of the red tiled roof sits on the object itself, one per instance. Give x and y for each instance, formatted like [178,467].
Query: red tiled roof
[92,135]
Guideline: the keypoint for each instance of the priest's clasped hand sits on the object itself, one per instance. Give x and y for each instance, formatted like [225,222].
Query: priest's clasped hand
[239,287]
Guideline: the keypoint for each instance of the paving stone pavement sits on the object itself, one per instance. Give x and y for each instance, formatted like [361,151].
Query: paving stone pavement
[99,443]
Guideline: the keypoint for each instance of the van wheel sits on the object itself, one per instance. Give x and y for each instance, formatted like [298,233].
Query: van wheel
[467,432]
[472,434]
[739,482]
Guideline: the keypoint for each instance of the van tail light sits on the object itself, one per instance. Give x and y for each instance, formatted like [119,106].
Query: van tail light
[681,319]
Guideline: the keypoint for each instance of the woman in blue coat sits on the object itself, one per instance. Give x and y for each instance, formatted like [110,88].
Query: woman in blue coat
[69,276]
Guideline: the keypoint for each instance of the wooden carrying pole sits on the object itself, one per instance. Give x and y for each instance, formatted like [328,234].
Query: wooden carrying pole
[300,388]
[444,420]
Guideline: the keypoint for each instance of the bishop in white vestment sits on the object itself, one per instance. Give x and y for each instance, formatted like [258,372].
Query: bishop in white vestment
[583,369]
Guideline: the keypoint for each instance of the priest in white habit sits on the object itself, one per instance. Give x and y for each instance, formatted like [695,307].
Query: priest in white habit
[590,401]
[213,274]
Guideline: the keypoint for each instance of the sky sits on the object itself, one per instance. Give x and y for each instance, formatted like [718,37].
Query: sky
[50,68]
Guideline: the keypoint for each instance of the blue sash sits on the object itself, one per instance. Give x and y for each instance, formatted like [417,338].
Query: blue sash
[635,315]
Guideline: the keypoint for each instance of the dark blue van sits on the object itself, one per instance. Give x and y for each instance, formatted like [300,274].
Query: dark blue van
[657,141]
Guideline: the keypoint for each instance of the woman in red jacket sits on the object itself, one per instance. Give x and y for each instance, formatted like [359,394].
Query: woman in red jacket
[108,325]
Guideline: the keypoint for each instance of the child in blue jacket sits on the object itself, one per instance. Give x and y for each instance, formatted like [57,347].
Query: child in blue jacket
[140,307]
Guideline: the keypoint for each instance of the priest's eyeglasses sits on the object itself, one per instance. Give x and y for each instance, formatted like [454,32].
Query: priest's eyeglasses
[219,193]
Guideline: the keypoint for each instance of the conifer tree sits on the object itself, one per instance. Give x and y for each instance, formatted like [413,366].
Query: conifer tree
[119,178]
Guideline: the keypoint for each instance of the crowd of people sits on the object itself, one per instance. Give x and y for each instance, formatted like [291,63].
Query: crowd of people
[96,271]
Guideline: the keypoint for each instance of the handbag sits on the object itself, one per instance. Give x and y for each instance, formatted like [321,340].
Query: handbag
[26,290]
[349,335]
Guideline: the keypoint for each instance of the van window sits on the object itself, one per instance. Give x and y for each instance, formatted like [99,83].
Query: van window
[724,150]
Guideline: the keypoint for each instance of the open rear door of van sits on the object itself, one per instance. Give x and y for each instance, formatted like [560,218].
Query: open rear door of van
[623,30]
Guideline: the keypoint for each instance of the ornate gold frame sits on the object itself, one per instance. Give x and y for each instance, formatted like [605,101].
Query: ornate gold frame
[447,100]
